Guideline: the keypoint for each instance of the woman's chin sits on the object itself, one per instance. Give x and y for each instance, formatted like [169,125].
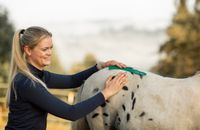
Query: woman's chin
[47,63]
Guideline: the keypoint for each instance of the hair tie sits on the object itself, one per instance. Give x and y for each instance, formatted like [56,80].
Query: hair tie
[22,31]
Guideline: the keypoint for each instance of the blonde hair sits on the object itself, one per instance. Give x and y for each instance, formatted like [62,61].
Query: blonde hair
[29,37]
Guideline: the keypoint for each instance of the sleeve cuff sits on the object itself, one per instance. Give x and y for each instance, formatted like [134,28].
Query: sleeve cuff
[100,98]
[99,65]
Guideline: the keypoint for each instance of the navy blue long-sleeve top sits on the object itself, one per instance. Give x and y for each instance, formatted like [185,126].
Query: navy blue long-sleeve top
[34,102]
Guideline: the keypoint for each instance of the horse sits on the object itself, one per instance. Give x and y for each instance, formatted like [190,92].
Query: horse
[146,102]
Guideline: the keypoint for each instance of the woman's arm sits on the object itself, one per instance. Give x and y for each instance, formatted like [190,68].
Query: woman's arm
[40,97]
[59,81]
[72,81]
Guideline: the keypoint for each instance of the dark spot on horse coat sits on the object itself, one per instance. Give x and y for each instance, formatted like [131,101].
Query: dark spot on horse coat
[124,108]
[95,115]
[105,114]
[119,119]
[113,77]
[133,103]
[106,124]
[132,95]
[95,90]
[113,128]
[150,119]
[128,117]
[142,114]
[138,86]
[125,88]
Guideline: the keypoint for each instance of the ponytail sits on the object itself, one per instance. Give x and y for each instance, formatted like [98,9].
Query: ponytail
[19,63]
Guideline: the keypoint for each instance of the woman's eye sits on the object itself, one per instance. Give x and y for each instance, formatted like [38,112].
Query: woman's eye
[49,48]
[45,49]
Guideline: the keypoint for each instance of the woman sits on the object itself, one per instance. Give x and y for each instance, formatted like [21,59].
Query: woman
[28,98]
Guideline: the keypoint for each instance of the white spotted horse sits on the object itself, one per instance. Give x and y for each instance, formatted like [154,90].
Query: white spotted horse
[147,102]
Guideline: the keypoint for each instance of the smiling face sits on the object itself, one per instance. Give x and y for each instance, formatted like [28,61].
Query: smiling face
[40,55]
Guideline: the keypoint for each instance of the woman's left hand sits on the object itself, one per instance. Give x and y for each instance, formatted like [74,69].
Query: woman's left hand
[102,65]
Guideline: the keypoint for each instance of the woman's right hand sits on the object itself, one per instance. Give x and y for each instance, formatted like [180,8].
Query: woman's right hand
[114,85]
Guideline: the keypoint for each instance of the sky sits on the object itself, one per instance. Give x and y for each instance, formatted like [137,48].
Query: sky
[66,17]
[142,12]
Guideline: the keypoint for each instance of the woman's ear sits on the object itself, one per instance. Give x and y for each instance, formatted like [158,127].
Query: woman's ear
[27,50]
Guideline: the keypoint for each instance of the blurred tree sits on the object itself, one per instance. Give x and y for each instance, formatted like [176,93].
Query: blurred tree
[88,61]
[181,53]
[6,34]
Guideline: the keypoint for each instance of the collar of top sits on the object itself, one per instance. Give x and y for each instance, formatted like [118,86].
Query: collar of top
[35,71]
